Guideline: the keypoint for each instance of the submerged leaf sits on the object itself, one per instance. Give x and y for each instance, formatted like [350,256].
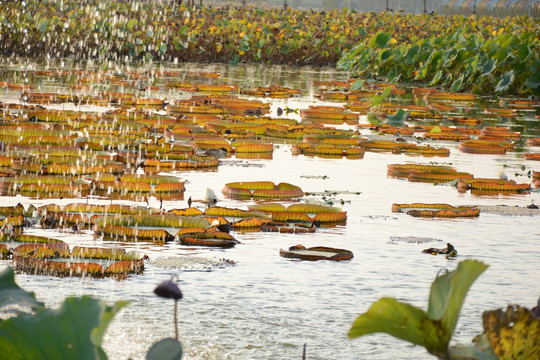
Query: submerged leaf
[165,349]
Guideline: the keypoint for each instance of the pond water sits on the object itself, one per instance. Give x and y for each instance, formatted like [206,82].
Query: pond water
[268,307]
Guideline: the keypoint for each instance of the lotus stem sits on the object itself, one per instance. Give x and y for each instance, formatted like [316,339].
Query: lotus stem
[175,319]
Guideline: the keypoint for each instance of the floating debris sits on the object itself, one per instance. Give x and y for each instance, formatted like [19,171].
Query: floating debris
[192,263]
[449,251]
[412,239]
[316,253]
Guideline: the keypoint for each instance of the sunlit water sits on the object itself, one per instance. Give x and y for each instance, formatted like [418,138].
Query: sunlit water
[268,307]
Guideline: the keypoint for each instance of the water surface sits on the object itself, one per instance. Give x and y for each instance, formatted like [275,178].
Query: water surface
[268,307]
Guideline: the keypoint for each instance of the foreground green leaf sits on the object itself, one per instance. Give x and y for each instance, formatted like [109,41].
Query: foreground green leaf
[12,294]
[433,329]
[63,333]
[448,293]
[398,319]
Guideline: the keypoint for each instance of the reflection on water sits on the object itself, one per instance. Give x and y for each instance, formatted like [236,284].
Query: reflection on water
[268,307]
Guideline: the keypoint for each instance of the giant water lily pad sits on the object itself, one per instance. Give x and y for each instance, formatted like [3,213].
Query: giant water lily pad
[436,210]
[262,189]
[54,259]
[302,212]
[156,228]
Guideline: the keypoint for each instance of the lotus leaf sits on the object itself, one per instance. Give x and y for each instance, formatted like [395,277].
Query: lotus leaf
[12,294]
[75,330]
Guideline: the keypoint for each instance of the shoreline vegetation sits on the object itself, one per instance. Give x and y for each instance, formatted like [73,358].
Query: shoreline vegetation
[481,54]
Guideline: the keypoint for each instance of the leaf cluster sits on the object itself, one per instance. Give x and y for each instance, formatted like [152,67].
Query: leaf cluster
[503,63]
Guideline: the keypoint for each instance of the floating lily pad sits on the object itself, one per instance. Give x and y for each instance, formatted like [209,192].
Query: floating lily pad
[436,210]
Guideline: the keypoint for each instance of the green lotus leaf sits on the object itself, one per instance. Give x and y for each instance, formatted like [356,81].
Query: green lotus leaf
[448,293]
[488,67]
[398,118]
[42,27]
[456,85]
[357,85]
[377,99]
[73,331]
[131,24]
[380,40]
[506,80]
[401,320]
[12,294]
[533,82]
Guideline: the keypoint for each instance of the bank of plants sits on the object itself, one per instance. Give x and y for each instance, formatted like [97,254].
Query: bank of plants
[460,61]
[139,30]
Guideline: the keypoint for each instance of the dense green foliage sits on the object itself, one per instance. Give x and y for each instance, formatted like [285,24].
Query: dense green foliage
[462,60]
[162,31]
